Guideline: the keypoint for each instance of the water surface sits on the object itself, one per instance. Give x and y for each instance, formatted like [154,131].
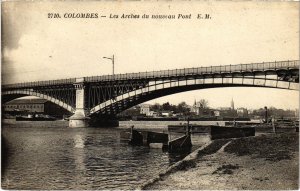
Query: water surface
[81,158]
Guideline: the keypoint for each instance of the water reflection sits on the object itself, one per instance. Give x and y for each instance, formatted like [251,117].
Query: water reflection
[79,159]
[78,141]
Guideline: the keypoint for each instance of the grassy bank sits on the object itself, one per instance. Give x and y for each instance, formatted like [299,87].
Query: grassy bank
[269,147]
[262,162]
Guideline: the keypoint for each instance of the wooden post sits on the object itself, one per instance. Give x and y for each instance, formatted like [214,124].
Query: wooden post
[273,125]
[188,132]
[131,131]
[266,114]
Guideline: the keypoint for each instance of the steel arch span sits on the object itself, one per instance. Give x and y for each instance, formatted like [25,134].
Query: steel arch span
[168,87]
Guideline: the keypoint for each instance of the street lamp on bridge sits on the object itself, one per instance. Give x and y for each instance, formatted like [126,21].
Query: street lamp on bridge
[113,63]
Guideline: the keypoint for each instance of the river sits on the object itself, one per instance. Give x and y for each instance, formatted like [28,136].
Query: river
[81,158]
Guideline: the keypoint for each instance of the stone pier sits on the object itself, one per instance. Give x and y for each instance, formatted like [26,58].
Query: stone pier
[79,119]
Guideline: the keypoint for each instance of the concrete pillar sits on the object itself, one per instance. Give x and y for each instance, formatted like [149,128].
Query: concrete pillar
[79,119]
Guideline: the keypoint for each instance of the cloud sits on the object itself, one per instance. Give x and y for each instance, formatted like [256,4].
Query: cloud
[7,71]
[14,23]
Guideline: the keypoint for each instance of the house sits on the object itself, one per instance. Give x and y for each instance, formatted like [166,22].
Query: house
[216,113]
[153,114]
[145,109]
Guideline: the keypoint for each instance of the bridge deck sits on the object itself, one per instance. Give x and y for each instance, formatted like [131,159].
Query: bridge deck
[265,66]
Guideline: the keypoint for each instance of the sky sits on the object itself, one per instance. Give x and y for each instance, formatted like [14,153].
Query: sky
[35,47]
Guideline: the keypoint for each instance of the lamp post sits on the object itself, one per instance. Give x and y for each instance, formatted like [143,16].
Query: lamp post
[113,70]
[113,63]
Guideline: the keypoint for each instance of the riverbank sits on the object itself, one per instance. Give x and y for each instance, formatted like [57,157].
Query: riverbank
[12,123]
[264,162]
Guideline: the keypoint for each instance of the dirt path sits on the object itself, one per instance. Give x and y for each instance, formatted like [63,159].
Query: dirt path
[261,163]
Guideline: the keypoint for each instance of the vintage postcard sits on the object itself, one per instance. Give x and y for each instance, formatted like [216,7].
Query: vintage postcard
[159,95]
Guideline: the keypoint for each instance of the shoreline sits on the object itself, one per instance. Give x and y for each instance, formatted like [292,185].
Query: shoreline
[263,162]
[171,169]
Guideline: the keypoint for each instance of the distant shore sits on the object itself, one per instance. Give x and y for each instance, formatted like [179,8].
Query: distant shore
[264,162]
[185,118]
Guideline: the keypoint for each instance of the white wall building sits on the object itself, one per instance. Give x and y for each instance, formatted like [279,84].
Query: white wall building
[145,109]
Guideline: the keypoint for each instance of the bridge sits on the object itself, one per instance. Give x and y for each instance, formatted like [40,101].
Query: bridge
[95,101]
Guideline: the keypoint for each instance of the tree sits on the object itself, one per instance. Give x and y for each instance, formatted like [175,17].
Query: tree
[156,107]
[182,107]
[203,103]
[166,106]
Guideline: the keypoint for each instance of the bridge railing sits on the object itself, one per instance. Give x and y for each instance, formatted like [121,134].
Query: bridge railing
[199,71]
[168,73]
[41,83]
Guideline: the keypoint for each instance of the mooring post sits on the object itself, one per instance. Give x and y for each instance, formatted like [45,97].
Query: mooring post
[188,132]
[131,131]
[234,122]
[273,125]
[79,119]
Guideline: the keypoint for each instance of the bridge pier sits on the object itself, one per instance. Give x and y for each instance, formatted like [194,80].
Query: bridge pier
[79,119]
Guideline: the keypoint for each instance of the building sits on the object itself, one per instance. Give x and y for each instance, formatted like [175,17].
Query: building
[224,108]
[198,108]
[201,110]
[242,112]
[145,109]
[195,108]
[167,113]
[38,106]
[228,111]
[216,113]
[153,114]
[27,105]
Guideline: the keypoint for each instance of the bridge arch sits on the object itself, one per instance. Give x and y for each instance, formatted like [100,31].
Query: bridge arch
[14,94]
[156,89]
